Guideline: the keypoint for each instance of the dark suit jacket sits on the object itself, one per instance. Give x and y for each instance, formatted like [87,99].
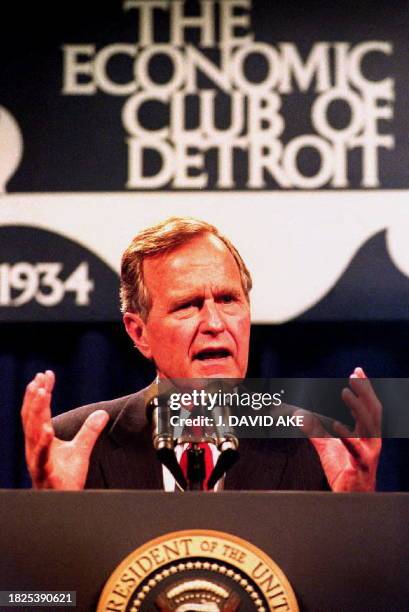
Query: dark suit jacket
[124,458]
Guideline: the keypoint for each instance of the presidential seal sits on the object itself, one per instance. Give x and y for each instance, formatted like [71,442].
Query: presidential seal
[197,570]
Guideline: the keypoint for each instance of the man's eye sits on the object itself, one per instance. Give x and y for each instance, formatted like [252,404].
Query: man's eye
[185,305]
[227,299]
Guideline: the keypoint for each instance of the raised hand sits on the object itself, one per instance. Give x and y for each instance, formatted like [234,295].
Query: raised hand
[54,463]
[350,462]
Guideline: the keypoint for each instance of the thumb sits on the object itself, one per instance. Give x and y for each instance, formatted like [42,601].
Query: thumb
[85,439]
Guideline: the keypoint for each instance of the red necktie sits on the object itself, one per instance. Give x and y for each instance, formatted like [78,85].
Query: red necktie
[208,460]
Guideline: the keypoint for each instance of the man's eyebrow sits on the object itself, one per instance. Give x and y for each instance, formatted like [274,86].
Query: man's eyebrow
[234,291]
[187,296]
[184,295]
[230,289]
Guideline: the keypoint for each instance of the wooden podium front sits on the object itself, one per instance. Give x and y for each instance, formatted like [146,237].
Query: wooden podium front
[340,552]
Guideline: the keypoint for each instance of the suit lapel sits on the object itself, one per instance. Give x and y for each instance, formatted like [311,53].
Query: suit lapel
[132,467]
[130,461]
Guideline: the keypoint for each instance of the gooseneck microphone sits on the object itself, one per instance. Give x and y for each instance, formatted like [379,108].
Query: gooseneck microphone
[163,441]
[226,442]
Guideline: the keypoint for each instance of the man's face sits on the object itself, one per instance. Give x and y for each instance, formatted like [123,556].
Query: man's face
[199,323]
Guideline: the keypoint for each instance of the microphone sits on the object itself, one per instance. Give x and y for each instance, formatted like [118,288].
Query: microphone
[227,443]
[163,440]
[224,434]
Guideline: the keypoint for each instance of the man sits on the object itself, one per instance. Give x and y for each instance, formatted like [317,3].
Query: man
[185,299]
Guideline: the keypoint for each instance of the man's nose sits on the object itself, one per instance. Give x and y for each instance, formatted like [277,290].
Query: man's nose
[212,319]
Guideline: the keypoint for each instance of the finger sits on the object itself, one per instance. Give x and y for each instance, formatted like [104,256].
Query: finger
[364,423]
[85,439]
[359,372]
[28,398]
[311,425]
[38,460]
[38,410]
[49,380]
[341,430]
[38,414]
[357,449]
[29,393]
[362,387]
[39,381]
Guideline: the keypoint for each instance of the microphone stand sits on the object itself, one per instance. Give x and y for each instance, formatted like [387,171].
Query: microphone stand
[226,442]
[196,470]
[229,455]
[164,445]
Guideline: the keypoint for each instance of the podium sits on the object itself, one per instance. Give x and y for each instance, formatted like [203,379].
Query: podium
[340,552]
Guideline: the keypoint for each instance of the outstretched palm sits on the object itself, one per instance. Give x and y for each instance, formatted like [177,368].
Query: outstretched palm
[54,463]
[350,462]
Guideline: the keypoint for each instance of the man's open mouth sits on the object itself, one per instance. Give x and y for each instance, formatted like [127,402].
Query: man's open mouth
[212,354]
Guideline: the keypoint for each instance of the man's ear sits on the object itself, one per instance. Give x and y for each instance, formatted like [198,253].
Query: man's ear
[136,329]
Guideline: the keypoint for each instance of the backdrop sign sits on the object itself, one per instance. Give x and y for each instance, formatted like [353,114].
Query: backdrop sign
[195,130]
[285,128]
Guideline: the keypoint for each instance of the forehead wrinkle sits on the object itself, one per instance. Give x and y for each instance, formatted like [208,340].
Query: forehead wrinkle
[197,262]
[181,266]
[213,275]
[213,288]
